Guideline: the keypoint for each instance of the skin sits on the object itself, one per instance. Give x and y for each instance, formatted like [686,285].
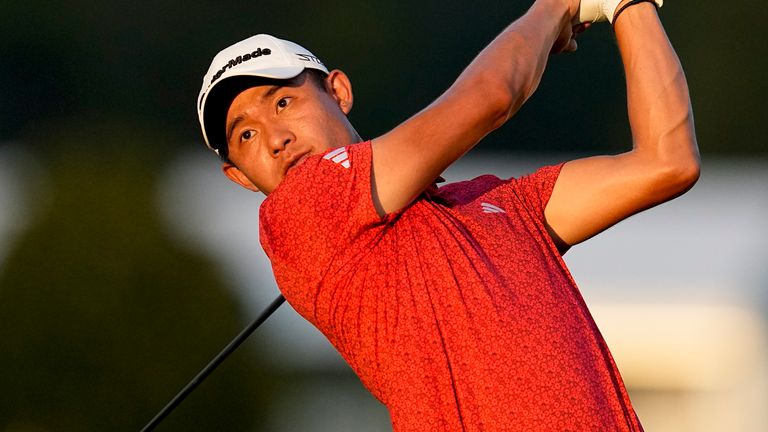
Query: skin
[595,193]
[273,128]
[590,194]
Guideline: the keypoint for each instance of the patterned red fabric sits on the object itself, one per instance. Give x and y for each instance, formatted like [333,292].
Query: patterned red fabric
[457,312]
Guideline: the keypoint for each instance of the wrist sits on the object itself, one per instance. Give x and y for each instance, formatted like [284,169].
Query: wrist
[627,4]
[602,10]
[563,10]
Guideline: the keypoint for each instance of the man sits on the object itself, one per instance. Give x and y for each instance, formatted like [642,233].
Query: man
[453,305]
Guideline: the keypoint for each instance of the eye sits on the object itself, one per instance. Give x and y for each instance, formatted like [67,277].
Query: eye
[246,135]
[282,103]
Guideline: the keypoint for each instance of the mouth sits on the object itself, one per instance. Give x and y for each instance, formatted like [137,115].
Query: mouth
[297,161]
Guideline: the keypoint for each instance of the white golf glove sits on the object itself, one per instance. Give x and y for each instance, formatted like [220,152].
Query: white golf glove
[591,11]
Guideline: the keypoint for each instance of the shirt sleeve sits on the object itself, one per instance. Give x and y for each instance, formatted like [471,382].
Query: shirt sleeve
[534,190]
[317,210]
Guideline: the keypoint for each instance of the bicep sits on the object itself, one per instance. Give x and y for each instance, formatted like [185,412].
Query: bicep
[409,158]
[593,194]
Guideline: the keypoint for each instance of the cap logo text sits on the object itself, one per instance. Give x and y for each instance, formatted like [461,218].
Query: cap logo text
[240,59]
[310,58]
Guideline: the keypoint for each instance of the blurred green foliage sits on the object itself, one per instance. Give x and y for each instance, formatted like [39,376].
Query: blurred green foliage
[102,318]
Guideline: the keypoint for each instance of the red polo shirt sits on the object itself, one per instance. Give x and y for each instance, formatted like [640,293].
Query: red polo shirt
[457,312]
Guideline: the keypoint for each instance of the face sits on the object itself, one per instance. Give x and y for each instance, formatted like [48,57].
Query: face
[272,128]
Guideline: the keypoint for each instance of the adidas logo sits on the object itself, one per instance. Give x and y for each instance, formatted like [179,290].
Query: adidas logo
[339,156]
[490,208]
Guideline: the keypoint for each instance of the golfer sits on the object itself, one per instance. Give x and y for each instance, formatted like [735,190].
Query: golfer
[452,304]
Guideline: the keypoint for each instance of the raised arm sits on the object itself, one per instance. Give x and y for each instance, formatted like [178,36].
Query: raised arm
[593,194]
[492,88]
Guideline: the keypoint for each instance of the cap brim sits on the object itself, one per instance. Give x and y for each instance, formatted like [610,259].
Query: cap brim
[220,95]
[260,56]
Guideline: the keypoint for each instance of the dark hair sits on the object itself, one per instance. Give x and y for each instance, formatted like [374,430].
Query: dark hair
[317,77]
[221,97]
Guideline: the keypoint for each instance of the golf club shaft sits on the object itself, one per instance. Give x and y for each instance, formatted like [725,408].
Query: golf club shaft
[213,364]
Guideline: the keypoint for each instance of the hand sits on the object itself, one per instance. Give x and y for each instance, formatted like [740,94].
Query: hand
[572,6]
[566,41]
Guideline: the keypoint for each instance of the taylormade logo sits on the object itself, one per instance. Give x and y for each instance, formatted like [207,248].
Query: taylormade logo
[239,59]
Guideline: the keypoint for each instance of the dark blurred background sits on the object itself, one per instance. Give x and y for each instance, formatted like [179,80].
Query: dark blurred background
[86,63]
[103,315]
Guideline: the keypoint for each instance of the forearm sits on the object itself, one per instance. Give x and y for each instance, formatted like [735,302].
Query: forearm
[486,94]
[658,102]
[594,193]
[507,72]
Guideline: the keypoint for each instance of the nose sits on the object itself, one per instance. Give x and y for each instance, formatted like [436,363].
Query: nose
[280,139]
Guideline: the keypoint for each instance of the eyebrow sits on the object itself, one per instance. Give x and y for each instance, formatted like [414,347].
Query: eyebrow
[272,90]
[233,125]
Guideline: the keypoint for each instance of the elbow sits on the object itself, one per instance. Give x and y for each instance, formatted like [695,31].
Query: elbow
[498,101]
[507,100]
[503,104]
[685,166]
[500,105]
[689,173]
[501,110]
[677,155]
[674,178]
[685,177]
[672,160]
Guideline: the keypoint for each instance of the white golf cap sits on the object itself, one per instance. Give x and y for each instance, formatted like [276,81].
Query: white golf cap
[258,56]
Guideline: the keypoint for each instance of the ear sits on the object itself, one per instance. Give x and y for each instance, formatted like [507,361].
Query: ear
[340,88]
[233,173]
